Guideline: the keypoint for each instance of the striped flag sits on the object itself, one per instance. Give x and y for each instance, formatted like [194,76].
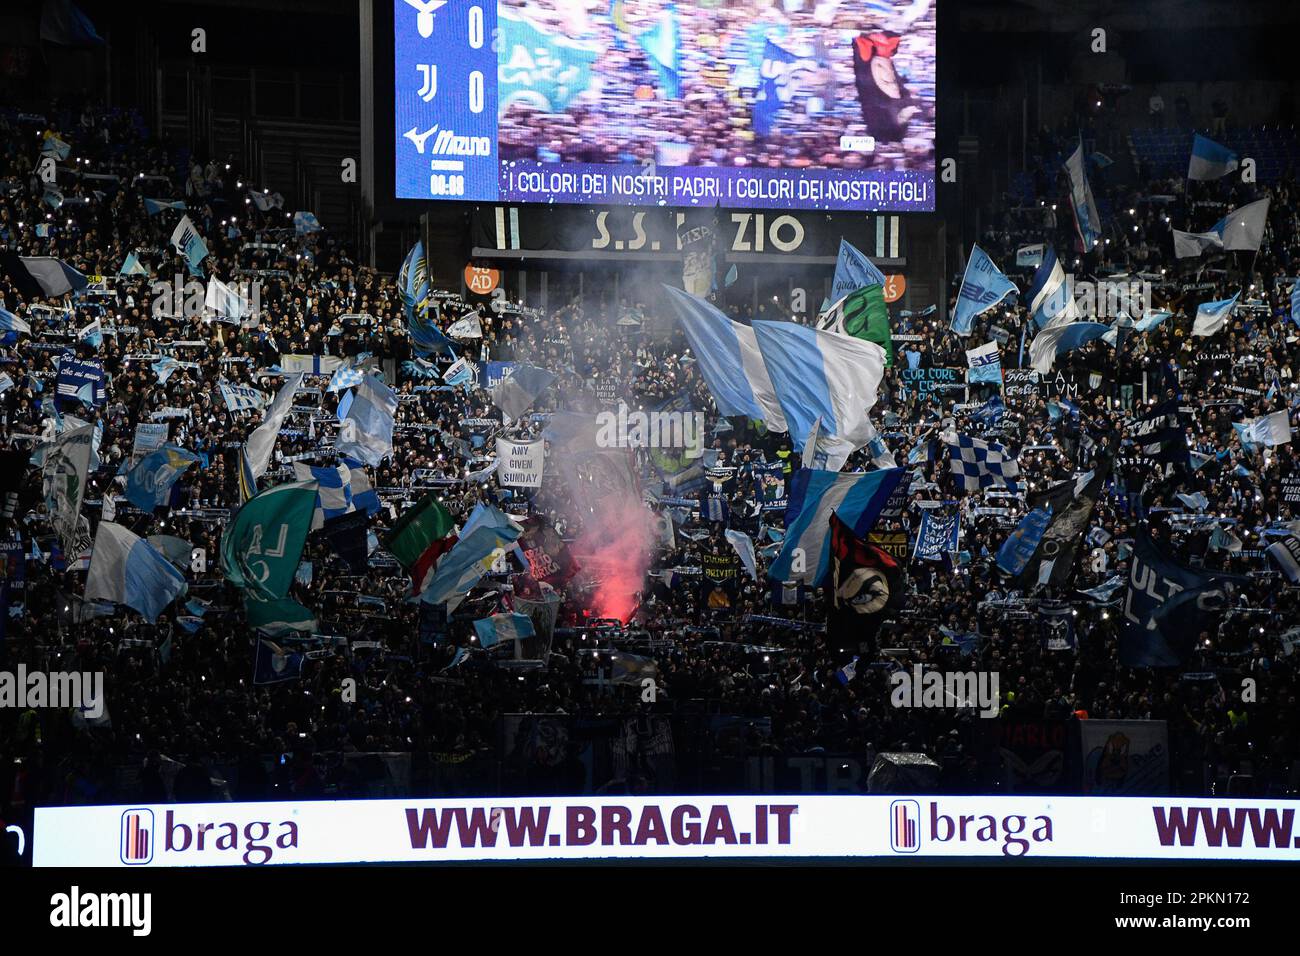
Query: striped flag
[334,495]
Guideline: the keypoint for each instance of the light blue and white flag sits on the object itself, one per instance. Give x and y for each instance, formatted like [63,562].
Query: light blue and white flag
[11,323]
[188,242]
[1031,256]
[224,301]
[516,392]
[306,222]
[821,374]
[977,464]
[364,497]
[262,441]
[1213,316]
[499,628]
[984,364]
[1240,230]
[333,494]
[1295,302]
[982,287]
[1150,321]
[1086,218]
[366,433]
[814,495]
[1021,544]
[853,270]
[238,398]
[487,532]
[1196,501]
[131,266]
[1267,430]
[460,372]
[662,44]
[1061,338]
[154,206]
[1049,293]
[53,146]
[729,359]
[149,483]
[310,364]
[1210,160]
[744,547]
[466,327]
[126,569]
[91,334]
[345,376]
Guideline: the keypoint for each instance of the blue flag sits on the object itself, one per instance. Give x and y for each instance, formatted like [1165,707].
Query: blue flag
[774,91]
[982,286]
[274,664]
[813,496]
[853,270]
[1021,544]
[149,483]
[1167,607]
[662,43]
[939,535]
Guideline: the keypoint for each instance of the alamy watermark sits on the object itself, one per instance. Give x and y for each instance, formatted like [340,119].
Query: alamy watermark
[627,429]
[932,688]
[83,690]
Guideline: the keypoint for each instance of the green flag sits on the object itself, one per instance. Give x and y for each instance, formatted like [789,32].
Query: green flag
[417,530]
[863,315]
[262,543]
[278,617]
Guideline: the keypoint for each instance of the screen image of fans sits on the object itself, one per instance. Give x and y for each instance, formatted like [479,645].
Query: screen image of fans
[783,104]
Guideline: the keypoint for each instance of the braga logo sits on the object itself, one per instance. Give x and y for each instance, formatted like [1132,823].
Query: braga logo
[137,836]
[905,826]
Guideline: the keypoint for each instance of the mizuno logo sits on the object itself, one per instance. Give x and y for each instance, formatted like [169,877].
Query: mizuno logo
[448,143]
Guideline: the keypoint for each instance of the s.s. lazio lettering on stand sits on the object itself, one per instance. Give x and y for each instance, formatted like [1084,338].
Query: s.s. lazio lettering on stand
[445,102]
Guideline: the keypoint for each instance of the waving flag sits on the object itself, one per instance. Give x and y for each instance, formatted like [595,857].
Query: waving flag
[262,543]
[501,628]
[154,206]
[149,483]
[1240,230]
[1210,160]
[11,323]
[126,569]
[238,398]
[64,471]
[273,664]
[224,301]
[262,441]
[366,432]
[1062,338]
[131,266]
[1070,505]
[979,464]
[345,376]
[333,492]
[419,538]
[1295,302]
[516,393]
[865,583]
[814,495]
[1213,316]
[545,69]
[662,43]
[306,222]
[1086,218]
[730,361]
[775,90]
[280,616]
[853,270]
[1166,607]
[1021,544]
[466,327]
[984,364]
[862,314]
[1267,430]
[821,374]
[38,277]
[471,556]
[188,242]
[982,286]
[80,382]
[1049,293]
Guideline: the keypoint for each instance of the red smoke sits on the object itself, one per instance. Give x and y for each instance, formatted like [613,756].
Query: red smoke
[614,548]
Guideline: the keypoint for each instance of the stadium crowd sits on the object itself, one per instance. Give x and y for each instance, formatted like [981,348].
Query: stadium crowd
[186,699]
